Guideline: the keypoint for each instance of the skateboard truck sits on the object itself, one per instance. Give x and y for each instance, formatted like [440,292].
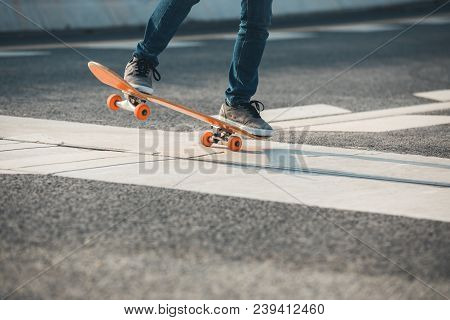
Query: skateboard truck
[139,107]
[218,135]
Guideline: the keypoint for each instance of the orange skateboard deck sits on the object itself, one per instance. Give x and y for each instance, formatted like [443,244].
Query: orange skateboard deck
[222,132]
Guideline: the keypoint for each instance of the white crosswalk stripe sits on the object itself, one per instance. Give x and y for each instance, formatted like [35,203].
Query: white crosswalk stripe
[16,54]
[361,28]
[437,95]
[394,184]
[371,121]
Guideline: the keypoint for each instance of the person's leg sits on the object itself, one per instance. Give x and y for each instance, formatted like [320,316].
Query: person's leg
[238,110]
[256,17]
[161,27]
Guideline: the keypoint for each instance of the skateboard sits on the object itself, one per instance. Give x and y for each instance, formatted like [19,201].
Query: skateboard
[137,102]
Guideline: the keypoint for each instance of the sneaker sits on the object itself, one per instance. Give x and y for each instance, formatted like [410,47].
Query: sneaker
[139,73]
[246,116]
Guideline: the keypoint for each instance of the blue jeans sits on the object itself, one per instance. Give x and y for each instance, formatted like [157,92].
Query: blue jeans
[256,16]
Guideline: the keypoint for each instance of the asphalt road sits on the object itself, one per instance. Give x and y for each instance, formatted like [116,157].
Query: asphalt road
[59,86]
[124,241]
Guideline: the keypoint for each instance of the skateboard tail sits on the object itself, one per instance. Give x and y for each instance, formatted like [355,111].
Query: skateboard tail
[109,77]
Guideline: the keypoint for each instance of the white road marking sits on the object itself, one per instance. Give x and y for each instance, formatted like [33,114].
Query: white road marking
[377,196]
[2,142]
[3,171]
[300,112]
[384,124]
[17,54]
[434,20]
[437,95]
[21,146]
[407,185]
[438,20]
[273,36]
[130,44]
[98,136]
[279,34]
[360,27]
[54,156]
[185,41]
[91,164]
[344,119]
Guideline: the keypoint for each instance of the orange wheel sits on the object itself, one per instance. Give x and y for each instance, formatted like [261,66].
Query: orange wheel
[112,102]
[234,143]
[142,112]
[206,138]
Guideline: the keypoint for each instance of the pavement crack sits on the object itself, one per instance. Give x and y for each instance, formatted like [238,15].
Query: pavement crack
[109,166]
[69,162]
[38,147]
[347,174]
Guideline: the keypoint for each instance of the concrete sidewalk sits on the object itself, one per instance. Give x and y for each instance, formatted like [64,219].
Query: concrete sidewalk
[394,184]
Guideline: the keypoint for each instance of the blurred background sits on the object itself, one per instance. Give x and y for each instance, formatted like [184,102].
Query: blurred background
[93,14]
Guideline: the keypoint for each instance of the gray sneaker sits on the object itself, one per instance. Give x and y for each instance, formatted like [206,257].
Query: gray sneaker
[139,73]
[247,117]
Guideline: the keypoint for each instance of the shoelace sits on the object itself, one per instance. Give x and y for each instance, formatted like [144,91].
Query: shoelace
[256,105]
[144,68]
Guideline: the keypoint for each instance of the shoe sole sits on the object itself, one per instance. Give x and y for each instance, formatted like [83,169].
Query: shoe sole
[254,131]
[142,89]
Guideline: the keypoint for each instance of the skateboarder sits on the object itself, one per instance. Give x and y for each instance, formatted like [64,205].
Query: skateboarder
[238,107]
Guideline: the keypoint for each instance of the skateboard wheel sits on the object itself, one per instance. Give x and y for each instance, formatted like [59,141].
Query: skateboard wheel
[112,102]
[234,143]
[206,138]
[142,112]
